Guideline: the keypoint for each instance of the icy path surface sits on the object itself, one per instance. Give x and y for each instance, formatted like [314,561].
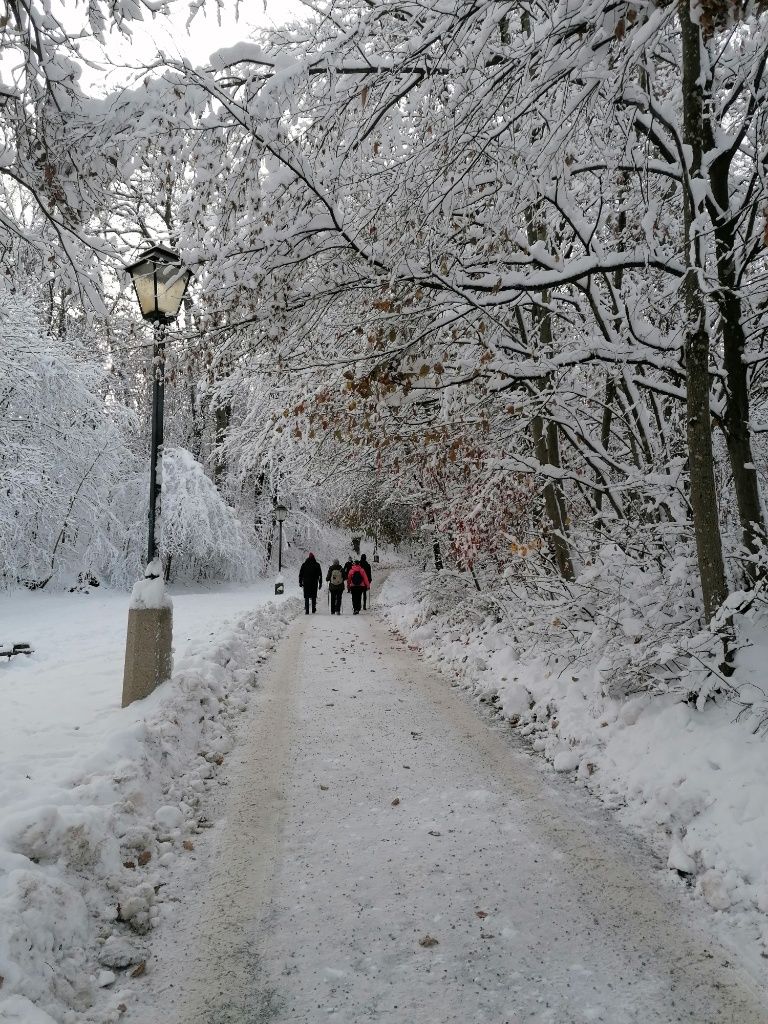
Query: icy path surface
[369,807]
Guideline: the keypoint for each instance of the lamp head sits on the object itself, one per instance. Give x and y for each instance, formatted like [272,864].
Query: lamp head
[161,282]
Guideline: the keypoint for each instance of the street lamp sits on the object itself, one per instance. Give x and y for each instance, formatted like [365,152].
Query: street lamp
[280,514]
[160,280]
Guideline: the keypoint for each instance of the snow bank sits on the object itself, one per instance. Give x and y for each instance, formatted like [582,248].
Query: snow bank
[693,781]
[83,851]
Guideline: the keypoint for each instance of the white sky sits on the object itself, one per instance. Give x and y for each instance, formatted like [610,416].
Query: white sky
[210,30]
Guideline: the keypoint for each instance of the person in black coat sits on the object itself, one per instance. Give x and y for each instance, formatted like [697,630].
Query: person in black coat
[367,566]
[310,581]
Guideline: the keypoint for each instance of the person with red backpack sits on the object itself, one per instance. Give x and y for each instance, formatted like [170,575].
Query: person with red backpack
[357,584]
[335,581]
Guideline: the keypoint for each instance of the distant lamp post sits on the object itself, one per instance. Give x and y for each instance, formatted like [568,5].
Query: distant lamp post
[280,515]
[160,280]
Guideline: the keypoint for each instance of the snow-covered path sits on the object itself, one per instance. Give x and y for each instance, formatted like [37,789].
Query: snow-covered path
[370,810]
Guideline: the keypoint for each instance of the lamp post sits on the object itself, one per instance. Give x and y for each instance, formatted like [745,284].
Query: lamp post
[160,280]
[280,514]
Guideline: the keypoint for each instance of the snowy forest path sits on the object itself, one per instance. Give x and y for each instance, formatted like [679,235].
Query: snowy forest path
[385,853]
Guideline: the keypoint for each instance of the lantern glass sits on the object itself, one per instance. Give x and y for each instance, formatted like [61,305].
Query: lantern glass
[171,285]
[280,513]
[160,281]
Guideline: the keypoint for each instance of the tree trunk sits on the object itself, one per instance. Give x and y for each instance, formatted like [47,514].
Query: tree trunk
[554,499]
[737,411]
[437,553]
[547,445]
[605,440]
[709,549]
[222,415]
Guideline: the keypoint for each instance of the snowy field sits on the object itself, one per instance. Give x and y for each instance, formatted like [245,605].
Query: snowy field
[58,705]
[94,799]
[693,783]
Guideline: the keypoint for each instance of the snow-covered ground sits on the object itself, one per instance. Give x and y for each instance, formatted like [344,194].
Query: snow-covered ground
[96,800]
[693,782]
[59,703]
[381,852]
[360,811]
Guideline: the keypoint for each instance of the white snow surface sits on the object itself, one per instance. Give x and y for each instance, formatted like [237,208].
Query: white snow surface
[151,592]
[381,852]
[96,802]
[693,782]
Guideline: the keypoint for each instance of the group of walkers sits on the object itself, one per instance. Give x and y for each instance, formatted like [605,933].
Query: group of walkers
[355,574]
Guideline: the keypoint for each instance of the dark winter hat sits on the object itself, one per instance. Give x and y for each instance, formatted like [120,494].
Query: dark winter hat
[311,554]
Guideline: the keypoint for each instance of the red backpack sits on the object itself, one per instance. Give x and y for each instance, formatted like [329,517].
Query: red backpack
[356,578]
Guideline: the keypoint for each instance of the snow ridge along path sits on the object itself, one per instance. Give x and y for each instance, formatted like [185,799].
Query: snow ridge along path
[384,853]
[91,835]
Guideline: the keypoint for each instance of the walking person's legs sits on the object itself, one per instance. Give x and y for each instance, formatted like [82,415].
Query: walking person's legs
[306,603]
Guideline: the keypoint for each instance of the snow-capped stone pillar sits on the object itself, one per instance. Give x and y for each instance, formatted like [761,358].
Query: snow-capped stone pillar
[149,645]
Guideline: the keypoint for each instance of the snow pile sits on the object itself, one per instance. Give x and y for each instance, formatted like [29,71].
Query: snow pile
[149,592]
[83,853]
[692,779]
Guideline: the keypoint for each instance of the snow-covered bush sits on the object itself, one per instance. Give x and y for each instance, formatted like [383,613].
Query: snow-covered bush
[202,538]
[64,450]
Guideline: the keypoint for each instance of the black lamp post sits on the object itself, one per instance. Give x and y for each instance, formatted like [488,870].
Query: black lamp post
[280,513]
[161,281]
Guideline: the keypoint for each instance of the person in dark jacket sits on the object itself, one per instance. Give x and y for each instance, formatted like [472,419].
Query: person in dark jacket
[357,584]
[347,566]
[367,566]
[310,581]
[335,581]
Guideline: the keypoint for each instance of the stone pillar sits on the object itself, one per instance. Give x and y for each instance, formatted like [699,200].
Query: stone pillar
[148,652]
